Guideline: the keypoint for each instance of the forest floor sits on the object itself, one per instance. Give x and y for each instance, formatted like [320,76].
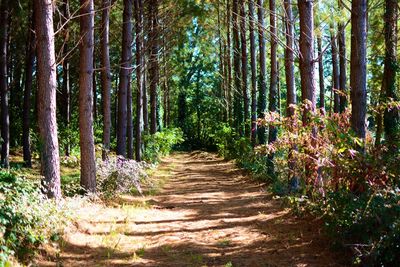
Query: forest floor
[208,213]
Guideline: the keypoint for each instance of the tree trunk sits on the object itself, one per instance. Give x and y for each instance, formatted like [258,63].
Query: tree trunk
[222,67]
[391,116]
[308,83]
[289,59]
[321,76]
[47,86]
[29,64]
[358,67]
[237,105]
[291,99]
[244,67]
[106,77]
[66,91]
[273,71]
[5,121]
[262,95]
[145,96]
[228,60]
[154,68]
[253,63]
[342,65]
[335,74]
[94,87]
[139,71]
[124,80]
[88,164]
[307,70]
[129,125]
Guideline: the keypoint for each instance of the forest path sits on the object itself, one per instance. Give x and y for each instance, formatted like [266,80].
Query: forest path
[207,214]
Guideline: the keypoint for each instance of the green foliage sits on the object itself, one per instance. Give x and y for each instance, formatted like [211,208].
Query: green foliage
[161,143]
[231,146]
[368,223]
[348,182]
[27,219]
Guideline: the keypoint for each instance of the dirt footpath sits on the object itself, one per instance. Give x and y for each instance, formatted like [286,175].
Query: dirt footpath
[207,214]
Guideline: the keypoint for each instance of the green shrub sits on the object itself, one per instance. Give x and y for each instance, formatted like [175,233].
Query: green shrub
[161,143]
[27,219]
[231,146]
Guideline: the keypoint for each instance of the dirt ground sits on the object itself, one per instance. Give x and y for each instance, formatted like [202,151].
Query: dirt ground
[207,214]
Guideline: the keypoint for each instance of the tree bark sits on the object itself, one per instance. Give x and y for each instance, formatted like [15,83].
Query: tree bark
[94,87]
[29,65]
[289,59]
[342,65]
[106,77]
[154,67]
[253,63]
[335,74]
[5,121]
[307,70]
[237,105]
[391,115]
[291,99]
[358,66]
[228,60]
[66,91]
[273,72]
[139,71]
[262,95]
[47,86]
[321,75]
[245,93]
[124,83]
[88,164]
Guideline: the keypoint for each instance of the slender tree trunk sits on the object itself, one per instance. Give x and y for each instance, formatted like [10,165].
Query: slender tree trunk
[342,65]
[124,81]
[5,121]
[358,67]
[47,86]
[278,87]
[335,74]
[273,72]
[289,60]
[391,116]
[308,83]
[222,67]
[253,60]
[129,114]
[145,96]
[291,99]
[29,64]
[139,72]
[244,67]
[228,60]
[88,164]
[66,91]
[321,75]
[106,77]
[94,87]
[262,95]
[238,110]
[154,68]
[129,124]
[307,70]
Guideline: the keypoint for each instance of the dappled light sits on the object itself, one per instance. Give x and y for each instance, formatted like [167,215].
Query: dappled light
[207,214]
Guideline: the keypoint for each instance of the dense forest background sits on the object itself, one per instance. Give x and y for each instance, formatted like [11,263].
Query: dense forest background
[303,94]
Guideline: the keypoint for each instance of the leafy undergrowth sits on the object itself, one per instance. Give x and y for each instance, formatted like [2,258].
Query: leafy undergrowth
[29,221]
[27,218]
[322,169]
